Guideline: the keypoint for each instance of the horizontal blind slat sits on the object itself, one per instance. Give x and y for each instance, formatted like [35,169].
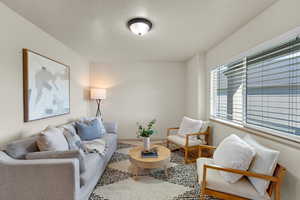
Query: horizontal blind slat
[262,89]
[273,88]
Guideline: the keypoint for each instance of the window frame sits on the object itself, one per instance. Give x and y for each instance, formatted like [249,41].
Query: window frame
[250,127]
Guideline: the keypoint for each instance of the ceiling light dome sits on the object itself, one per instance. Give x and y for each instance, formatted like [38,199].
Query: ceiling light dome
[139,26]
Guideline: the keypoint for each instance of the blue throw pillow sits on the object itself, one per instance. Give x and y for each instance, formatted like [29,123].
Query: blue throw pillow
[88,119]
[89,130]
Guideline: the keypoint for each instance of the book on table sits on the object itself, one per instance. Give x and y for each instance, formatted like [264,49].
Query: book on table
[149,154]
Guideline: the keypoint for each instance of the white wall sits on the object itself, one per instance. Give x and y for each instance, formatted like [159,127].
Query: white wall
[140,91]
[17,33]
[195,93]
[280,18]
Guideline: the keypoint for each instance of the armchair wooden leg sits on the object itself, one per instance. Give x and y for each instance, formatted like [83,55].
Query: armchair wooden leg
[203,185]
[202,193]
[277,191]
[199,152]
[186,155]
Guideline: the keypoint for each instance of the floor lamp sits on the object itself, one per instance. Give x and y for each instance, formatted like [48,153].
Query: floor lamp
[98,94]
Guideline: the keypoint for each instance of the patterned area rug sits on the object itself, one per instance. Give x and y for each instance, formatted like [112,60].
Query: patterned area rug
[117,181]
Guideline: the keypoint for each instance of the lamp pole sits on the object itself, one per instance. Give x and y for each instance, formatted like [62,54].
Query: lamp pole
[98,113]
[98,94]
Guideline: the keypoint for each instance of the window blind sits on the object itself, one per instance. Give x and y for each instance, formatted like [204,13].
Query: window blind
[273,88]
[261,90]
[228,83]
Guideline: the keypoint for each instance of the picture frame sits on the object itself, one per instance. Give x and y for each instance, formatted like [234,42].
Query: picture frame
[46,87]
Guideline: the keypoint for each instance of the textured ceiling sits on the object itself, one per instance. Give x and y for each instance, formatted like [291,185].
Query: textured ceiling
[97,30]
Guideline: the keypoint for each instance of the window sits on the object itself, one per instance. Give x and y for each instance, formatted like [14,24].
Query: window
[260,91]
[228,82]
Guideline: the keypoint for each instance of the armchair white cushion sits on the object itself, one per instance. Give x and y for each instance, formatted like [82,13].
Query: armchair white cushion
[189,126]
[215,181]
[204,126]
[233,152]
[182,140]
[264,162]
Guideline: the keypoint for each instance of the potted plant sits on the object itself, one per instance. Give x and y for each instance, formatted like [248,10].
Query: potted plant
[145,132]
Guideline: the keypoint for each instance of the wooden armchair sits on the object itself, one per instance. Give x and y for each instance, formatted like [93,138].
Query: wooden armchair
[188,144]
[214,185]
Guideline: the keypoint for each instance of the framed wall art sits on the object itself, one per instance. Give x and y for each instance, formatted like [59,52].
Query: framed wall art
[46,85]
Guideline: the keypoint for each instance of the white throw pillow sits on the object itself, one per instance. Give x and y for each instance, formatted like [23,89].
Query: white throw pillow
[204,129]
[52,139]
[233,152]
[204,126]
[188,126]
[264,162]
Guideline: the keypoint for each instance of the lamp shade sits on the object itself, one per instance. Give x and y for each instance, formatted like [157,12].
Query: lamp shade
[98,93]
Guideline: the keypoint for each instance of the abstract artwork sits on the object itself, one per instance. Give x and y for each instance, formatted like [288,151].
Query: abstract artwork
[46,87]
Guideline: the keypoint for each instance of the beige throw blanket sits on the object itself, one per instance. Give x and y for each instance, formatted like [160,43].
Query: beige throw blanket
[97,145]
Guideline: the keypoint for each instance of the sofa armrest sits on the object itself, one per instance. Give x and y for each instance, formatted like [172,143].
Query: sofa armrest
[78,154]
[52,154]
[47,179]
[111,127]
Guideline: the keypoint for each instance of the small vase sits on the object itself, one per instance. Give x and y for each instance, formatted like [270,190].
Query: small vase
[146,143]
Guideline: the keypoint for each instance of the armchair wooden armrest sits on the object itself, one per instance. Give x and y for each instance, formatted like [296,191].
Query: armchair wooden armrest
[193,134]
[206,133]
[204,146]
[184,143]
[276,181]
[170,129]
[187,136]
[236,171]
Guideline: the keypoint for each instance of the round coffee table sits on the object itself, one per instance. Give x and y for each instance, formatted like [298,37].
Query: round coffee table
[138,162]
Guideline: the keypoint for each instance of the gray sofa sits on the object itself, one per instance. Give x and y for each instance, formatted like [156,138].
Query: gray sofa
[51,179]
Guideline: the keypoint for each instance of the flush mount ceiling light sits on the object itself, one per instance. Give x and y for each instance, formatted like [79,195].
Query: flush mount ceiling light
[139,26]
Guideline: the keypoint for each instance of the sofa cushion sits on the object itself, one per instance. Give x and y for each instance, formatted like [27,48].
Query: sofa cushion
[215,181]
[70,127]
[78,154]
[89,130]
[93,163]
[233,152]
[52,139]
[264,162]
[110,139]
[111,127]
[19,148]
[189,125]
[181,140]
[73,139]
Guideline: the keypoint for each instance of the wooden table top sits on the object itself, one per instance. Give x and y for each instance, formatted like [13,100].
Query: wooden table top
[163,154]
